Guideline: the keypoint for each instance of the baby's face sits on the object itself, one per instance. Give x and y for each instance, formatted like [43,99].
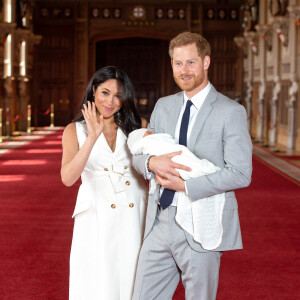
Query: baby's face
[148,133]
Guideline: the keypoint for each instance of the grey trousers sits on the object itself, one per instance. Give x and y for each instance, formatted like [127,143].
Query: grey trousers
[166,255]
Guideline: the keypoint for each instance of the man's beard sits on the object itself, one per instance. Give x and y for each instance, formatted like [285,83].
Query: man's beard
[191,84]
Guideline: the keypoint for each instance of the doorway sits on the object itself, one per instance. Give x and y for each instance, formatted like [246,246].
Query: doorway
[147,64]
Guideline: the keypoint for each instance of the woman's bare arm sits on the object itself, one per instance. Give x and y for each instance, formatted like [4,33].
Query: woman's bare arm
[75,159]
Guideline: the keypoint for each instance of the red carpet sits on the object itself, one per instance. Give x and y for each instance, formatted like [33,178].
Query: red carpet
[36,231]
[36,225]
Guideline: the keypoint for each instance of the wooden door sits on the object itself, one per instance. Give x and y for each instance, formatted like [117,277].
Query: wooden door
[147,64]
[55,75]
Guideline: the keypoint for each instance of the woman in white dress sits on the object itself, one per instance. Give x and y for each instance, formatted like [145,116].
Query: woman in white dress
[110,209]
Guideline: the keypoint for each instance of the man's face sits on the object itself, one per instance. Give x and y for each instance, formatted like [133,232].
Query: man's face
[189,69]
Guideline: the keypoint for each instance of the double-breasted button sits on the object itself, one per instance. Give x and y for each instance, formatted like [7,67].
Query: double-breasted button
[113,206]
[127,182]
[125,167]
[131,205]
[105,169]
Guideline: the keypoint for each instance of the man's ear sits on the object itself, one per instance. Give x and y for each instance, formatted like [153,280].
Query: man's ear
[172,63]
[206,62]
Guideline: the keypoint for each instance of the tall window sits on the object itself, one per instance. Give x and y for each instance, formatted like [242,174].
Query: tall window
[8,11]
[7,57]
[23,59]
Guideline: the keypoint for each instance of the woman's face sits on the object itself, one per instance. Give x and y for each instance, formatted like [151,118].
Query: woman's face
[108,98]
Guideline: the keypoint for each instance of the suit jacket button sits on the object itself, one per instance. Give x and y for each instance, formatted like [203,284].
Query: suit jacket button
[125,167]
[156,201]
[127,182]
[131,205]
[113,206]
[105,169]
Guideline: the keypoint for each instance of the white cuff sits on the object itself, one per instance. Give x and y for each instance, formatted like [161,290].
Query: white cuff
[186,189]
[148,175]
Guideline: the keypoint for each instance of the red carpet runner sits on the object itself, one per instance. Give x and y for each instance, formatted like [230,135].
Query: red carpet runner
[36,231]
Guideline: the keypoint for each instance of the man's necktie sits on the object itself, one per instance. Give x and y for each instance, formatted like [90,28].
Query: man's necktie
[168,195]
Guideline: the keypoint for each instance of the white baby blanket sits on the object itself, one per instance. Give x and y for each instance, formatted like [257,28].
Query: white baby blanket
[201,218]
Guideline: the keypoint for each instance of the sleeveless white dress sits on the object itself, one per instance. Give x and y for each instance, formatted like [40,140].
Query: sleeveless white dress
[109,220]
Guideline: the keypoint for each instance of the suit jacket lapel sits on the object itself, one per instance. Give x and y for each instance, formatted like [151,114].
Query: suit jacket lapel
[173,113]
[201,117]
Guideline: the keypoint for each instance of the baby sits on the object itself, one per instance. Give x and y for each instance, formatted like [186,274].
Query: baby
[143,141]
[201,218]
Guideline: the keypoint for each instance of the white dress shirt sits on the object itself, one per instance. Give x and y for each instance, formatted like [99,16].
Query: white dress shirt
[197,101]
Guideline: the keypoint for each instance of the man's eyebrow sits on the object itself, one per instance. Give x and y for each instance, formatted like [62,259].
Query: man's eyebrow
[189,59]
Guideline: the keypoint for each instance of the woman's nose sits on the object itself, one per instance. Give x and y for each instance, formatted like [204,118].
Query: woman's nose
[111,99]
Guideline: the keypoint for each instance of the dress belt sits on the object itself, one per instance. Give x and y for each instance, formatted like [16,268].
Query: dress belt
[117,173]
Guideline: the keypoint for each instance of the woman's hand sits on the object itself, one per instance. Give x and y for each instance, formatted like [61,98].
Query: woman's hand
[94,123]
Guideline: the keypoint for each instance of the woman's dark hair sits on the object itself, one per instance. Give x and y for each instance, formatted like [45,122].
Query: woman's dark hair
[127,117]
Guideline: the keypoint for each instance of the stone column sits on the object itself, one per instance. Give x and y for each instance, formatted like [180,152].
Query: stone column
[8,84]
[274,112]
[24,99]
[261,111]
[277,85]
[294,14]
[23,92]
[81,59]
[240,42]
[27,84]
[250,37]
[290,145]
[262,30]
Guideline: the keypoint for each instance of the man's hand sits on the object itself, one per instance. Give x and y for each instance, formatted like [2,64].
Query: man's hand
[163,166]
[171,182]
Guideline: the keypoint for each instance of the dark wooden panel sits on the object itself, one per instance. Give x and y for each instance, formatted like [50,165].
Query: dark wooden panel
[222,72]
[147,64]
[55,74]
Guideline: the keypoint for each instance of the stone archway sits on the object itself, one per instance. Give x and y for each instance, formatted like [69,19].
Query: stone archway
[146,62]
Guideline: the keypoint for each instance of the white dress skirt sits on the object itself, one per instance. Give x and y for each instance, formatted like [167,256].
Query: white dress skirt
[109,220]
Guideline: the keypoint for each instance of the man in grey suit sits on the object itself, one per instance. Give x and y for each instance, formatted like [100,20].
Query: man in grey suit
[213,127]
